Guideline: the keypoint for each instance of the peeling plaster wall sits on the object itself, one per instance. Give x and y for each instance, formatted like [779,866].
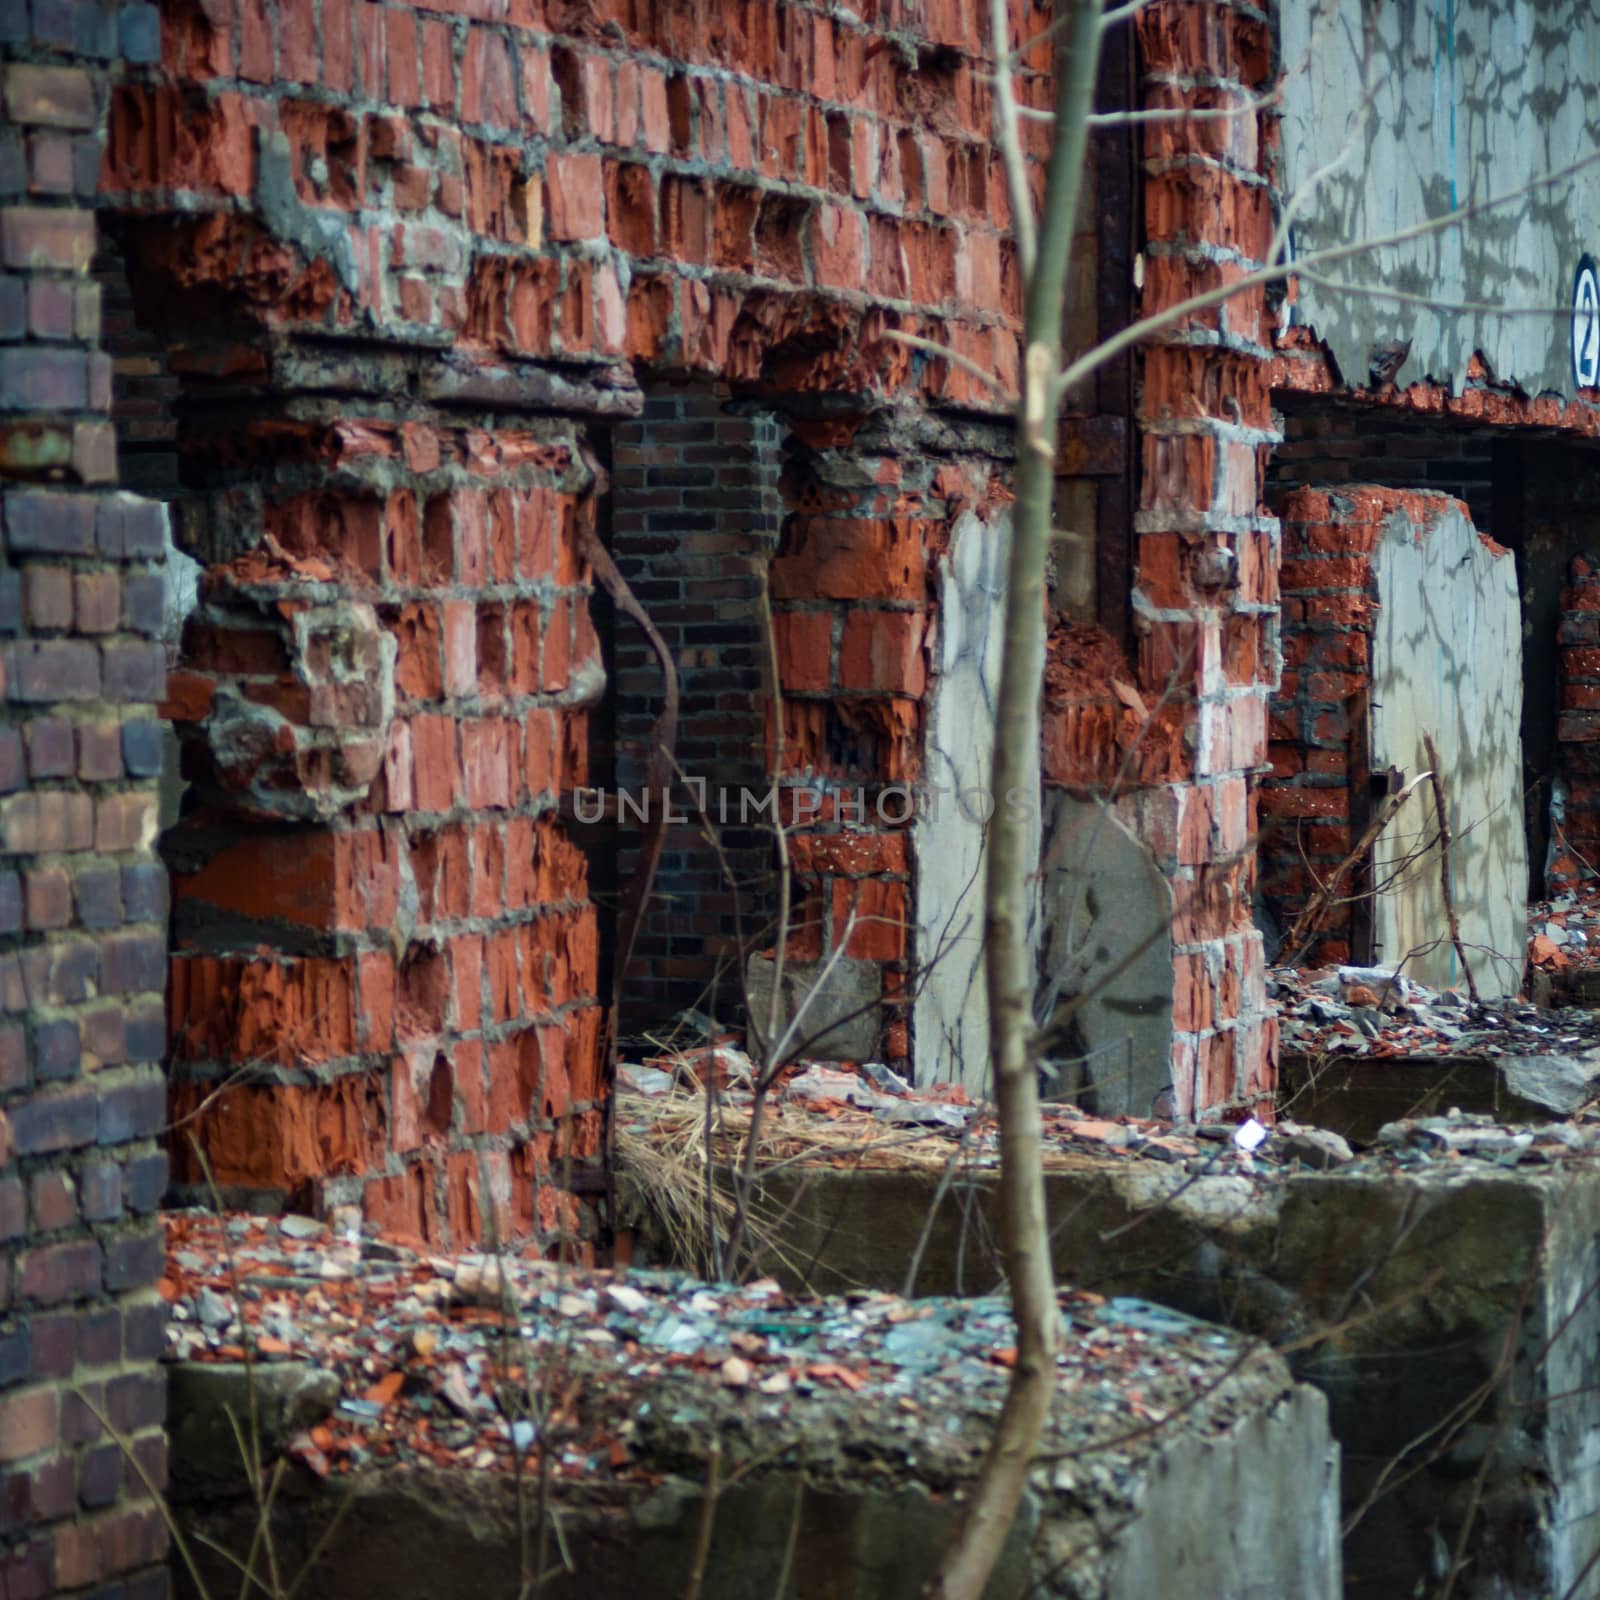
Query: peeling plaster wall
[1400,620]
[951,1015]
[1469,101]
[1447,661]
[1107,948]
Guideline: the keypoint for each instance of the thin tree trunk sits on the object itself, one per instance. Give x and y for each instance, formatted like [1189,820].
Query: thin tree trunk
[1009,969]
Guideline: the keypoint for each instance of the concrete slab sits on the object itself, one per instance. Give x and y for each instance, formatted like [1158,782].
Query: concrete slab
[846,1428]
[1107,912]
[1447,662]
[1445,1302]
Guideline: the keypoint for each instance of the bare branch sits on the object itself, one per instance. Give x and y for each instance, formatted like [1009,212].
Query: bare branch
[1158,322]
[1006,133]
[966,364]
[1305,925]
[1382,291]
[1139,119]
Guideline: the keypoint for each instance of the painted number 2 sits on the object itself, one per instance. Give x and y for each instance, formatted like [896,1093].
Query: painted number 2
[1586,326]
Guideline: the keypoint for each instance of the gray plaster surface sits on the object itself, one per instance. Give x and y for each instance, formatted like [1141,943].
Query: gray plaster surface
[1471,101]
[840,1017]
[1107,950]
[950,1017]
[1447,661]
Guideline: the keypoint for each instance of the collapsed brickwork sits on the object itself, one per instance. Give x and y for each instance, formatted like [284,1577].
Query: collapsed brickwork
[1319,788]
[405,286]
[456,225]
[374,905]
[1523,466]
[401,269]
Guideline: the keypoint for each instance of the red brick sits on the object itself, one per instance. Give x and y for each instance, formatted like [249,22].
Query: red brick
[575,197]
[466,973]
[535,88]
[879,932]
[436,765]
[418,673]
[438,65]
[297,41]
[654,114]
[27,1422]
[460,647]
[489,763]
[488,83]
[631,207]
[256,41]
[375,973]
[882,651]
[541,769]
[400,42]
[338,65]
[836,559]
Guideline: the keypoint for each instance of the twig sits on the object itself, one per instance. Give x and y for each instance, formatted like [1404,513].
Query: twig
[945,352]
[708,1521]
[1305,925]
[1006,133]
[946,1178]
[786,1571]
[1444,865]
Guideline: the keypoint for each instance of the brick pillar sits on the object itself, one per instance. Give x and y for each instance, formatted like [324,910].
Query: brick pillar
[850,590]
[82,897]
[694,519]
[1206,600]
[385,956]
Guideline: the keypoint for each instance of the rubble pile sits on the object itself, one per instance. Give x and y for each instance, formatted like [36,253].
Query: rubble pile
[1367,1011]
[1565,929]
[472,1361]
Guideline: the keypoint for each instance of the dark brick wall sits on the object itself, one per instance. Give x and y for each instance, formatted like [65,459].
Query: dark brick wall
[695,517]
[1329,445]
[83,901]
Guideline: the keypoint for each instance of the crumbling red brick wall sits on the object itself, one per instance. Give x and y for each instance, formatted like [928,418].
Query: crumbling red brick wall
[855,612]
[1575,832]
[82,897]
[1316,799]
[384,973]
[402,265]
[1205,600]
